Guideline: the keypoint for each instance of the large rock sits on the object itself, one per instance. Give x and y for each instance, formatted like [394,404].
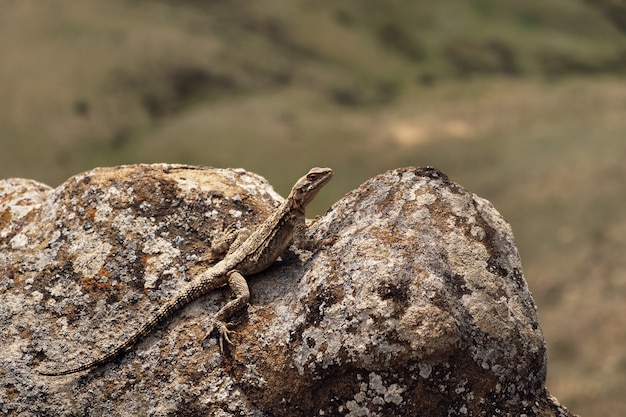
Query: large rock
[417,306]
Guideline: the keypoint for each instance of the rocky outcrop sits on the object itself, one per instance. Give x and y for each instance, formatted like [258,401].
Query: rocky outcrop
[418,306]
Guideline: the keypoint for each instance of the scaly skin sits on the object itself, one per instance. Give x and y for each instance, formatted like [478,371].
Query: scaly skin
[253,255]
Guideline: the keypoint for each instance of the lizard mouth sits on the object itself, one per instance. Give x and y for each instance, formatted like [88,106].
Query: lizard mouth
[323,178]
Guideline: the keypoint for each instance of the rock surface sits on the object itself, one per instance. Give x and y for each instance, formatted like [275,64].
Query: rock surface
[418,306]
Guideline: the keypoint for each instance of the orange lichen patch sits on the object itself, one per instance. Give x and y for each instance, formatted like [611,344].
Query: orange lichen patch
[90,284]
[103,272]
[25,333]
[5,198]
[266,315]
[11,392]
[90,212]
[18,279]
[70,311]
[384,234]
[138,198]
[108,388]
[5,218]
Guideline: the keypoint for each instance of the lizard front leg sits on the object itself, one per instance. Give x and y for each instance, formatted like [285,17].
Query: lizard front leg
[230,240]
[303,240]
[301,237]
[226,243]
[239,286]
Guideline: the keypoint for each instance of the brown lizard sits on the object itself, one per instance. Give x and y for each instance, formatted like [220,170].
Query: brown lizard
[248,254]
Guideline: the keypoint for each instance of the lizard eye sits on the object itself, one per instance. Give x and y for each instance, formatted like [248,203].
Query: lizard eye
[312,177]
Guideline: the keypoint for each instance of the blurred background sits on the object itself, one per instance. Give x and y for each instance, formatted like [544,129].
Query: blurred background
[523,103]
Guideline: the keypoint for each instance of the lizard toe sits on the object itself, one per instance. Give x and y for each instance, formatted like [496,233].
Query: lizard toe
[223,330]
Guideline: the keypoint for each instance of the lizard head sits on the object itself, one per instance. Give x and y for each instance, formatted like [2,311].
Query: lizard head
[307,187]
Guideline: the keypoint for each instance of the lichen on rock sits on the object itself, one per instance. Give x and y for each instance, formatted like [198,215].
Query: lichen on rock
[416,304]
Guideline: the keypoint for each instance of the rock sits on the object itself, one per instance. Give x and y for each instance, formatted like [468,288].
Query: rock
[417,306]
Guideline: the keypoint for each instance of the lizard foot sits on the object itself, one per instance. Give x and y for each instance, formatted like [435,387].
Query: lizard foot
[222,329]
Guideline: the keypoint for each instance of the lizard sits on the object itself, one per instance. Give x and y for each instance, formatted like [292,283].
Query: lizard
[249,253]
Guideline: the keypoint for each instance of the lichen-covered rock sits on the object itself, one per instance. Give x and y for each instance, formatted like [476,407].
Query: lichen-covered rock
[416,305]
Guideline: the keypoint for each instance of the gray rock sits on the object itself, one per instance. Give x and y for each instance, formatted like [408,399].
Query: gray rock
[417,306]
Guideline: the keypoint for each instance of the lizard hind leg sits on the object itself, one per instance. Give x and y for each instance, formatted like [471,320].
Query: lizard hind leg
[239,286]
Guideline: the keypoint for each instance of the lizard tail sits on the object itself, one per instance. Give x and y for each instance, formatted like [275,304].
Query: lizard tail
[121,348]
[191,292]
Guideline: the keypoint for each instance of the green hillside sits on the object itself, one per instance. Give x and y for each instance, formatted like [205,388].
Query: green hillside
[112,81]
